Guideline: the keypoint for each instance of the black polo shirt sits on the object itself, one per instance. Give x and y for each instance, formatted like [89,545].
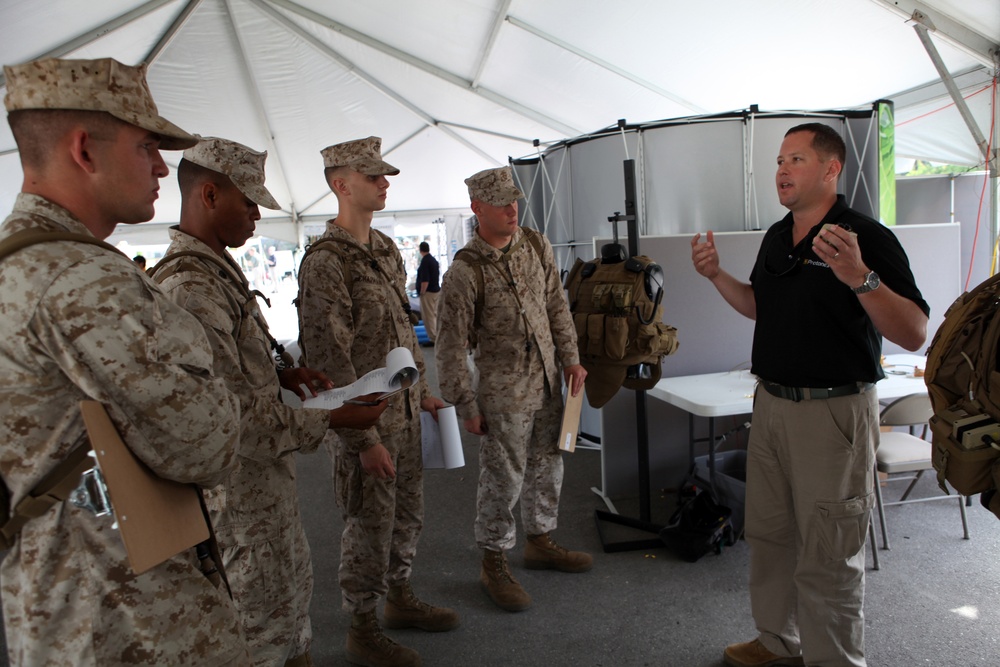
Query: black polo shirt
[428,272]
[811,330]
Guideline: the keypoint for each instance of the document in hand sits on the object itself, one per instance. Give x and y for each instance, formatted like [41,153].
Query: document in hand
[441,440]
[400,372]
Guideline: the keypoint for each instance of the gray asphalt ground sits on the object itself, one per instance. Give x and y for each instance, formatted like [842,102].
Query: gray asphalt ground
[935,601]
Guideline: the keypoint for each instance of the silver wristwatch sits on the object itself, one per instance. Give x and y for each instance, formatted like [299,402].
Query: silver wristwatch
[871,283]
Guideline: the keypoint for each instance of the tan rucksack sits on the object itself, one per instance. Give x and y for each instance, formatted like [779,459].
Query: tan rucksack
[963,380]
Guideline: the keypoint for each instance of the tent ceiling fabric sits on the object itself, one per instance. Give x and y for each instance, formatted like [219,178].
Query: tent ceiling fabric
[455,86]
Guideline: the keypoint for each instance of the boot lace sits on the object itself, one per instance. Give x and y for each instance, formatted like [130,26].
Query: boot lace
[411,601]
[500,566]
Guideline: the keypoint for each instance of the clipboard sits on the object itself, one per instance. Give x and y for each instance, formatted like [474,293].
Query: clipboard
[571,421]
[157,518]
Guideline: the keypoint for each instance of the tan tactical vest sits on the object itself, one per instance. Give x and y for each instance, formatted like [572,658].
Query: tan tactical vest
[617,312]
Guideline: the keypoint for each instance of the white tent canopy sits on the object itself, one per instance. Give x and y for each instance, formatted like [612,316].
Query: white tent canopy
[455,86]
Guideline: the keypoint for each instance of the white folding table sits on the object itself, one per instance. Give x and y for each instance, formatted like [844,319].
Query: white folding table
[715,395]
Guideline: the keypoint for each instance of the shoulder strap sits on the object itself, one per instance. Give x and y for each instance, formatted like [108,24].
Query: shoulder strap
[283,360]
[473,258]
[331,244]
[29,237]
[535,238]
[477,259]
[54,488]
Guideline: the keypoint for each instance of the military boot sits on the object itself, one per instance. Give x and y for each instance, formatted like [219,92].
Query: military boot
[541,553]
[501,586]
[304,660]
[368,646]
[404,610]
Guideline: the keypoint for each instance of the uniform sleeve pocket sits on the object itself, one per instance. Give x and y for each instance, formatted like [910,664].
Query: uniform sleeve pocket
[843,526]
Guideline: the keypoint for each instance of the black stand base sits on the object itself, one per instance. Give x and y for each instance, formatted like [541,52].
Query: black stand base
[628,545]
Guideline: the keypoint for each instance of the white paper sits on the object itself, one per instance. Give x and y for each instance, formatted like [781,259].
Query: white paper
[400,373]
[441,440]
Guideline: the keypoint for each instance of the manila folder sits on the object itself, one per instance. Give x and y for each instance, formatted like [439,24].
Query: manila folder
[158,518]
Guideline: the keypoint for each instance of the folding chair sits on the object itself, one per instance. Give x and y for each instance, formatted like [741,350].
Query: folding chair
[901,452]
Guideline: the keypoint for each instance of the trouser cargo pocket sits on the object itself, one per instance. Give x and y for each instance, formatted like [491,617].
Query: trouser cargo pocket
[843,526]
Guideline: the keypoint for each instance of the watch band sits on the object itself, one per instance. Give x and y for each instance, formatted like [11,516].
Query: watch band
[871,283]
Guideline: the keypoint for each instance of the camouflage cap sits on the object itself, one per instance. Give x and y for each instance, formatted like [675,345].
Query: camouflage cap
[362,155]
[92,85]
[494,187]
[243,165]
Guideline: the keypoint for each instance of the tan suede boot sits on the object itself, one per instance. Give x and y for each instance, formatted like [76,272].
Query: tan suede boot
[368,646]
[501,586]
[541,553]
[304,660]
[755,654]
[404,610]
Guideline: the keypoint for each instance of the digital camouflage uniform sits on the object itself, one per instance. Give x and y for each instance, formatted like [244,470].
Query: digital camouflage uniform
[255,511]
[80,322]
[520,381]
[346,333]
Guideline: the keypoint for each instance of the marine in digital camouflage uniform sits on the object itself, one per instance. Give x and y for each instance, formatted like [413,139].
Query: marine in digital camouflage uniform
[256,510]
[79,322]
[352,312]
[525,334]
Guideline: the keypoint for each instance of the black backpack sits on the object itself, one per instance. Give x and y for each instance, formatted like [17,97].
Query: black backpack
[699,525]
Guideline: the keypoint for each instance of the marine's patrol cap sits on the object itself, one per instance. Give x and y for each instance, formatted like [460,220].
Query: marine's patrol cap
[362,155]
[92,85]
[494,187]
[243,165]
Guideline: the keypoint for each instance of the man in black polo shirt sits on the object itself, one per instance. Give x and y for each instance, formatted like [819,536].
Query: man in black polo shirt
[429,288]
[827,285]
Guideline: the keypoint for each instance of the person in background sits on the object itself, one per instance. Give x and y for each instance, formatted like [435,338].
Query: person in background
[271,261]
[255,512]
[140,261]
[828,283]
[525,333]
[353,311]
[428,288]
[81,322]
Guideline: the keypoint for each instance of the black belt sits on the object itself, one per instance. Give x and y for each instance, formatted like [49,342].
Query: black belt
[813,393]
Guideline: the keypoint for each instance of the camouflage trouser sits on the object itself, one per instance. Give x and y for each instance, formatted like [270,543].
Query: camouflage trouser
[519,457]
[268,565]
[382,519]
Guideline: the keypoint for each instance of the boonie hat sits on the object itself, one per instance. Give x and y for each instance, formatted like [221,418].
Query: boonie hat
[362,155]
[243,165]
[494,186]
[92,85]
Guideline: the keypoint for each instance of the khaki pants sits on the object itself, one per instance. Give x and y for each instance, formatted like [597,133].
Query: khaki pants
[428,312]
[809,499]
